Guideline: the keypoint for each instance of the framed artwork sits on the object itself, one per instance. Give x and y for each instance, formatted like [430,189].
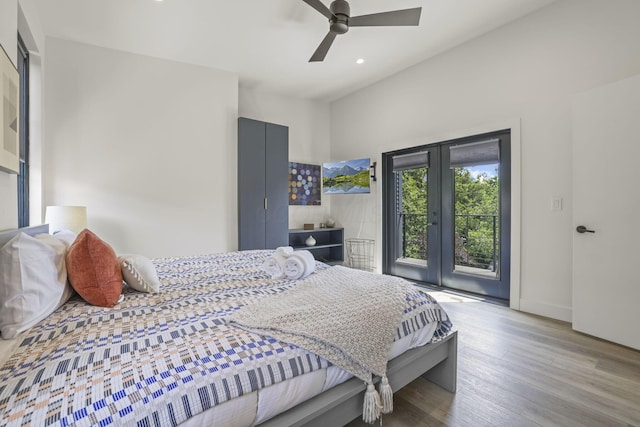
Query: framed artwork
[9,99]
[346,177]
[304,184]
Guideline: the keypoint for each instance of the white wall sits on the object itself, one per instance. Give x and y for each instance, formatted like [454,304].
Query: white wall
[526,71]
[309,135]
[148,145]
[8,182]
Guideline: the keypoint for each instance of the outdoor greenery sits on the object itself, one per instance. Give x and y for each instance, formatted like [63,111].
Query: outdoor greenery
[477,214]
[476,208]
[413,183]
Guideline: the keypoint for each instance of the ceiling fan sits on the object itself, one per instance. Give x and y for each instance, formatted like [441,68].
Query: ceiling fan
[340,20]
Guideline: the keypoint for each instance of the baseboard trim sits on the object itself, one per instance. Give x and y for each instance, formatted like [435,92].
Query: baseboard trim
[554,311]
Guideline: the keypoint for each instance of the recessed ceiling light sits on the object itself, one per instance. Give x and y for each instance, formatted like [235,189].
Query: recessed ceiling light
[360,61]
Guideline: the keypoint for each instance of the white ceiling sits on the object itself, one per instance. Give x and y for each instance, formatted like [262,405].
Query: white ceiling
[268,42]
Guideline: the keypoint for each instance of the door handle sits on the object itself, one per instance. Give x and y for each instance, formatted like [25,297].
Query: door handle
[582,229]
[432,223]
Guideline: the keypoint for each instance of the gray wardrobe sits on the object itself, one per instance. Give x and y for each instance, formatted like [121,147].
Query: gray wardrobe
[263,184]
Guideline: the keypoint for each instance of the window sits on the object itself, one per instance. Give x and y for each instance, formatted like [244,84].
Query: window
[23,178]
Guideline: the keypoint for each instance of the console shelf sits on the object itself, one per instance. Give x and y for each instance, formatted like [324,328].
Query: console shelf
[329,247]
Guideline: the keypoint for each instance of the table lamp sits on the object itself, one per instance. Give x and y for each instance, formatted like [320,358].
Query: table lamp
[72,218]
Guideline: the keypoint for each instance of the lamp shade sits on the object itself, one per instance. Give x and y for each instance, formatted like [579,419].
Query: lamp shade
[72,218]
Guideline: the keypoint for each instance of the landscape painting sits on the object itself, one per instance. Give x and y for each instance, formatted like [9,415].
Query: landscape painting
[346,177]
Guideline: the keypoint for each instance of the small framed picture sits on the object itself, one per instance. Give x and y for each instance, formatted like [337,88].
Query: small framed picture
[304,184]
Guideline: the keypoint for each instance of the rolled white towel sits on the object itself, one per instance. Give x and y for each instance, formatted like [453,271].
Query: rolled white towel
[285,251]
[299,265]
[274,266]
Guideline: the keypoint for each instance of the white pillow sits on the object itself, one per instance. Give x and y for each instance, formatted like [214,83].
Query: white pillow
[33,281]
[139,273]
[65,236]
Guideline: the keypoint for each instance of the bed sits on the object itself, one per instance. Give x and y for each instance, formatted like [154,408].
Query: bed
[171,358]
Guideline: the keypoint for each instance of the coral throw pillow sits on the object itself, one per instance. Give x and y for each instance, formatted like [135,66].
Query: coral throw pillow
[93,270]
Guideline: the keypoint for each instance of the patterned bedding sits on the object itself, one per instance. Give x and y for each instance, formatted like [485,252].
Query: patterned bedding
[160,359]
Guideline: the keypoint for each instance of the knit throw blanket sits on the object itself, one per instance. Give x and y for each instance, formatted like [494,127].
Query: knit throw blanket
[346,316]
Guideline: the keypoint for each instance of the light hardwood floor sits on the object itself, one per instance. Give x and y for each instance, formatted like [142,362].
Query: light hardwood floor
[516,369]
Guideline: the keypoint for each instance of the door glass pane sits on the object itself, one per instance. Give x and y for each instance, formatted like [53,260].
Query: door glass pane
[411,214]
[477,228]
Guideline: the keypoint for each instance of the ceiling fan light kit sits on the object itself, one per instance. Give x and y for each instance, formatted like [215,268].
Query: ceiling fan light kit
[340,20]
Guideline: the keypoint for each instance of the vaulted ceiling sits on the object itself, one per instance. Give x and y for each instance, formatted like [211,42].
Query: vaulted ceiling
[268,42]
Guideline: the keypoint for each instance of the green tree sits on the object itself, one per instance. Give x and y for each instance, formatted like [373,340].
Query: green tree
[477,212]
[414,210]
[476,208]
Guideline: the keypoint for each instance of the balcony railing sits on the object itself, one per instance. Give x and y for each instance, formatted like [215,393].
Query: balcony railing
[414,235]
[476,239]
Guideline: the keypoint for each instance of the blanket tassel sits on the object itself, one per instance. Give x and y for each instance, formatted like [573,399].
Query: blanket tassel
[386,395]
[372,406]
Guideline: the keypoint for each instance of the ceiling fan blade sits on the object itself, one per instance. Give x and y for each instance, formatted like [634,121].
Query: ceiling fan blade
[405,17]
[320,7]
[322,50]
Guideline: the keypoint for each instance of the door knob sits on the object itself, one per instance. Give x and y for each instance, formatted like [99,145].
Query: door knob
[582,229]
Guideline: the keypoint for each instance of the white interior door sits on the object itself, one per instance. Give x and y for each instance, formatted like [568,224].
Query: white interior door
[606,176]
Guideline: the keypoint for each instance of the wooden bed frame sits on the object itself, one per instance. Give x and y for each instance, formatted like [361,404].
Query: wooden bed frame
[437,362]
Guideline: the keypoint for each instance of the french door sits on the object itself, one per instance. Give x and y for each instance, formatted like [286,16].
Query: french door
[446,214]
